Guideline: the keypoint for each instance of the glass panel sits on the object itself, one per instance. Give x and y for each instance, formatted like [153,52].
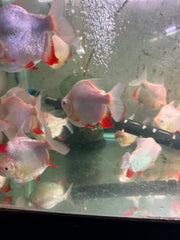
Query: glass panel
[116,141]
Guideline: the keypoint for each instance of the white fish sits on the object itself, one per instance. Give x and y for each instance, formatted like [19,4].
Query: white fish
[49,194]
[142,158]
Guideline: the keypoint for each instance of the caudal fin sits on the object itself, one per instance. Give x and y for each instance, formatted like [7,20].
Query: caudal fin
[138,81]
[125,161]
[116,105]
[62,27]
[54,145]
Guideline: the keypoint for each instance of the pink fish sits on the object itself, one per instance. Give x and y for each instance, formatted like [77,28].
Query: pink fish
[20,116]
[24,159]
[142,158]
[25,43]
[168,118]
[21,92]
[150,94]
[86,105]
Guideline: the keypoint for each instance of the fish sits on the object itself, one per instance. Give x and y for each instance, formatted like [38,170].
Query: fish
[21,92]
[24,159]
[86,105]
[63,52]
[142,158]
[48,194]
[168,118]
[55,125]
[21,117]
[151,94]
[5,185]
[4,125]
[25,43]
[125,139]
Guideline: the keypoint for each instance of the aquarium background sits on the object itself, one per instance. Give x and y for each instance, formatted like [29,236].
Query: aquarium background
[117,41]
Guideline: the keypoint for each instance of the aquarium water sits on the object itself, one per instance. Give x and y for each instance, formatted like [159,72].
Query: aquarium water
[108,145]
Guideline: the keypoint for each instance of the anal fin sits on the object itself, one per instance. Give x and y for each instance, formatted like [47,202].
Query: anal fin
[49,55]
[106,122]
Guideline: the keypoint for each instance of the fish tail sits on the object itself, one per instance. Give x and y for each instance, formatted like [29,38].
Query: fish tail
[141,79]
[116,106]
[60,26]
[67,195]
[125,161]
[52,144]
[55,145]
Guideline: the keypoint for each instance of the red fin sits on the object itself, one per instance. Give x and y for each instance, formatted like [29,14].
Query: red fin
[62,181]
[31,66]
[89,126]
[139,103]
[177,175]
[106,122]
[128,213]
[135,208]
[13,60]
[70,54]
[50,57]
[37,130]
[38,178]
[129,173]
[6,188]
[3,147]
[35,206]
[50,164]
[139,173]
[135,95]
[62,137]
[7,200]
[176,207]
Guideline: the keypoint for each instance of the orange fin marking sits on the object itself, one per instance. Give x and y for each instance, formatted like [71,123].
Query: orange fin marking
[6,188]
[106,122]
[135,95]
[31,66]
[129,173]
[37,130]
[3,147]
[51,58]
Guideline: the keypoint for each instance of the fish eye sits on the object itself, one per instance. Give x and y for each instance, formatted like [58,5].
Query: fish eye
[63,102]
[6,168]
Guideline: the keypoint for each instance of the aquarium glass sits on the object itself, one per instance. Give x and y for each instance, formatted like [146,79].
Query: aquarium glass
[107,171]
